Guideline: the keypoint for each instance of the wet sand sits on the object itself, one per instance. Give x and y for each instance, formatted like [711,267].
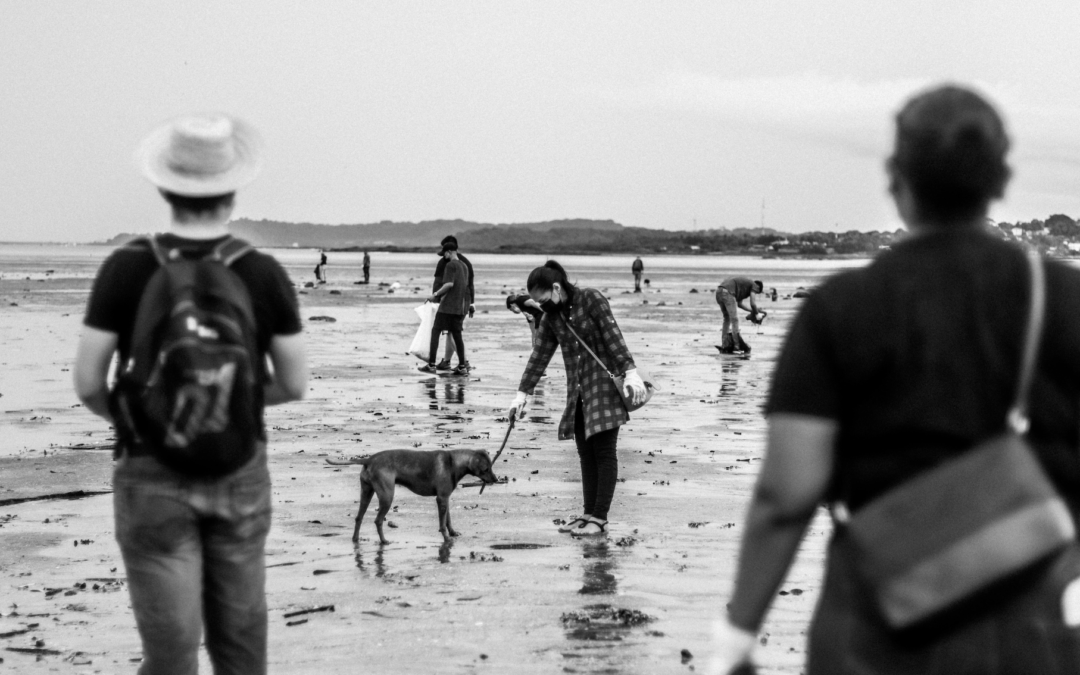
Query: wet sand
[510,595]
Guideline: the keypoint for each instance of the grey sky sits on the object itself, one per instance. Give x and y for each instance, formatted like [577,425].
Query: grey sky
[650,113]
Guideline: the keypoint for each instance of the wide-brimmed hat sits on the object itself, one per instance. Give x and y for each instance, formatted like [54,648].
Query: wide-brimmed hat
[201,155]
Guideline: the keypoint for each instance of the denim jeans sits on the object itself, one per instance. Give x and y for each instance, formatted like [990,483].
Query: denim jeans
[730,309]
[1015,629]
[193,550]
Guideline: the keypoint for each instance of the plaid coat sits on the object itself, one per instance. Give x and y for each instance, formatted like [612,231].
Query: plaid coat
[591,317]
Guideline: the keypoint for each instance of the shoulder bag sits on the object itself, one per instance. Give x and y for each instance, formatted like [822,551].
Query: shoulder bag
[946,534]
[619,380]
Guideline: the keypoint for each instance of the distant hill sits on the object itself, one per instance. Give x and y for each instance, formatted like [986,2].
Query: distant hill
[387,234]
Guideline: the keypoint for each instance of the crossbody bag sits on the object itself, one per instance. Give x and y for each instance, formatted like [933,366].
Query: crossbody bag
[943,536]
[619,380]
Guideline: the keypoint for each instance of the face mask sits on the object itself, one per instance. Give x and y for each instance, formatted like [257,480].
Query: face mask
[549,305]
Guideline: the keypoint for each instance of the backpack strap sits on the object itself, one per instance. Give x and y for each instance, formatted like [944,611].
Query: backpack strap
[230,250]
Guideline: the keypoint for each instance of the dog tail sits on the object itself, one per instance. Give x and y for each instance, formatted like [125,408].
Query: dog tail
[361,460]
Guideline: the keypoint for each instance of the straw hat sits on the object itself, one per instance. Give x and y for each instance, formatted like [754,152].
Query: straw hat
[201,155]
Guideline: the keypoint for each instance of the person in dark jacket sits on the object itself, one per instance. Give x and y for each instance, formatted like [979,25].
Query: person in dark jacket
[895,368]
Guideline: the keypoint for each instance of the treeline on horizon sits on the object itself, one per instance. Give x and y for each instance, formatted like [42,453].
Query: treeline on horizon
[1056,234]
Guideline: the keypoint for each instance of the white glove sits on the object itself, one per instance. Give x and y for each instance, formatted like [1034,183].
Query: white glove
[731,647]
[517,408]
[635,388]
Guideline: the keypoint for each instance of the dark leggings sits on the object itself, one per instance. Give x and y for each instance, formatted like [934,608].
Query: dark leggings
[599,466]
[454,329]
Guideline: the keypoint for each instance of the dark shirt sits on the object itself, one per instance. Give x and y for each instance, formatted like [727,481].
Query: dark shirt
[456,300]
[740,287]
[917,356]
[638,266]
[115,295]
[439,276]
[367,260]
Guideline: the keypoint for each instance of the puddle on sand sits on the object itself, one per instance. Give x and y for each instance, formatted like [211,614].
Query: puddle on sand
[595,631]
[441,391]
[518,547]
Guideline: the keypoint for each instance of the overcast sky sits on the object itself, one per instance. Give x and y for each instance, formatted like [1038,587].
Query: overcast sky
[655,114]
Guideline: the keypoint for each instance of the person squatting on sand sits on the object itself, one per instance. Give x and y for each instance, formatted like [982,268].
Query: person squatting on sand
[454,301]
[895,369]
[730,294]
[193,545]
[448,352]
[594,410]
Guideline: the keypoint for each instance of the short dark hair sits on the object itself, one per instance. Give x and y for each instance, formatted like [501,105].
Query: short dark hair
[447,239]
[950,148]
[198,205]
[760,285]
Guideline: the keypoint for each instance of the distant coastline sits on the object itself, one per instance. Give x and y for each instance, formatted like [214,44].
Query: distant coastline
[1058,235]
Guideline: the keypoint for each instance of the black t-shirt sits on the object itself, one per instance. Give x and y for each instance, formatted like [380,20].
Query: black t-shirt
[441,267]
[521,302]
[917,355]
[114,298]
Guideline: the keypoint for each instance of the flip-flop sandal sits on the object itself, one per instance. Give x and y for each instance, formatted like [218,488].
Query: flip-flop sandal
[573,524]
[586,531]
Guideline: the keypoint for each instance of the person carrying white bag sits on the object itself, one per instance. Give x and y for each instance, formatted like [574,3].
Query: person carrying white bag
[422,342]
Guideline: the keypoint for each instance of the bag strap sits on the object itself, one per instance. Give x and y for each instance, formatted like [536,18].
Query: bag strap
[582,343]
[1017,418]
[227,252]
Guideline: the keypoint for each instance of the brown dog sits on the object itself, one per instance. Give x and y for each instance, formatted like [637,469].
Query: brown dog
[427,473]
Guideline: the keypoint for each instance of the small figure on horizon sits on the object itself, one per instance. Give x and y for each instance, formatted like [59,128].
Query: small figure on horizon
[367,267]
[730,296]
[320,272]
[638,268]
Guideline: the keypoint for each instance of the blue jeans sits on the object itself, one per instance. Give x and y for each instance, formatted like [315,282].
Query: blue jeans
[193,550]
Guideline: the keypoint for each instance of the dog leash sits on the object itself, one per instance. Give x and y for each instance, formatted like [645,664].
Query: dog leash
[501,447]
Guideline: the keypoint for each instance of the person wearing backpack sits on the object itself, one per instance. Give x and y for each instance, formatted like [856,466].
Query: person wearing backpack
[207,333]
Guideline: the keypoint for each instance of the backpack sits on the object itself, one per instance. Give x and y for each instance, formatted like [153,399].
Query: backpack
[191,390]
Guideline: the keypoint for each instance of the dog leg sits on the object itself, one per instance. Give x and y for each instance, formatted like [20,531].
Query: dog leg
[449,525]
[385,501]
[444,517]
[366,492]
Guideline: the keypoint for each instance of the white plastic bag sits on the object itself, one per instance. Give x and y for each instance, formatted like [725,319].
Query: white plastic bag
[422,342]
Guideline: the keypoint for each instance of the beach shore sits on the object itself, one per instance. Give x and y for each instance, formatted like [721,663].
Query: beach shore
[510,595]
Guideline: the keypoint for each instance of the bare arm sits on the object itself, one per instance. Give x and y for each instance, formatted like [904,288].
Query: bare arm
[443,289]
[794,480]
[290,370]
[91,371]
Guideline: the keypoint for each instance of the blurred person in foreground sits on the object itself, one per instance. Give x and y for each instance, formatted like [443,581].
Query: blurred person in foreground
[594,409]
[895,368]
[193,546]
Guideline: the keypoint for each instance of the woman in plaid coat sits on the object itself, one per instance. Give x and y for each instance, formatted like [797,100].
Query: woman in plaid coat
[594,410]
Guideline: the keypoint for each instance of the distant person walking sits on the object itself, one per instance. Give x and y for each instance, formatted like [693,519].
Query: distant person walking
[444,364]
[730,296]
[638,268]
[191,487]
[367,268]
[453,299]
[322,267]
[594,410]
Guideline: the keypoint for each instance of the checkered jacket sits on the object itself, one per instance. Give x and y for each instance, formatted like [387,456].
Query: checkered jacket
[591,317]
